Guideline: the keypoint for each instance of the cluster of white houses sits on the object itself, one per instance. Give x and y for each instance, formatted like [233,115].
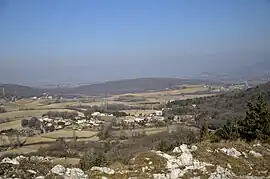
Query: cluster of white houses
[97,119]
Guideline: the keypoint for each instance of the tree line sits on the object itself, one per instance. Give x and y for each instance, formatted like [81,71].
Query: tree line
[254,126]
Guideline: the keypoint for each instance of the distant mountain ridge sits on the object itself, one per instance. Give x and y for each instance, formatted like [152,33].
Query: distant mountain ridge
[19,90]
[105,88]
[256,71]
[136,85]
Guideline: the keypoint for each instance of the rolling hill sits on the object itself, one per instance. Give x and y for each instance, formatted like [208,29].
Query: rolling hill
[19,90]
[105,88]
[136,85]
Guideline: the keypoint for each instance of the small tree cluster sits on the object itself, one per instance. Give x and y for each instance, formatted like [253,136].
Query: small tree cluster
[64,114]
[256,124]
[93,158]
[33,123]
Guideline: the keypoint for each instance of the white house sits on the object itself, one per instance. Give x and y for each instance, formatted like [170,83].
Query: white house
[158,113]
[95,114]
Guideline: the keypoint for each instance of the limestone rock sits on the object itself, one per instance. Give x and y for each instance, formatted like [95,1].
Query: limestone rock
[255,154]
[32,171]
[245,155]
[257,145]
[177,150]
[178,166]
[59,170]
[222,173]
[194,148]
[21,157]
[231,152]
[75,173]
[161,176]
[186,158]
[103,170]
[40,177]
[10,161]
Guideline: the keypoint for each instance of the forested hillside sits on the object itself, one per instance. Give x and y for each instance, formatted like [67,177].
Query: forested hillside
[222,107]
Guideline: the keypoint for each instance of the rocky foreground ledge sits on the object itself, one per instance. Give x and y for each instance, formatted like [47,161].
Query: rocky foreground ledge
[204,160]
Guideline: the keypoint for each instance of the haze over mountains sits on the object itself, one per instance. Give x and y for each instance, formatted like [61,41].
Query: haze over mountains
[94,41]
[258,70]
[84,75]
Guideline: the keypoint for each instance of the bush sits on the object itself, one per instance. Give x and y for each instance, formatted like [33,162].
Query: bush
[24,122]
[64,114]
[2,110]
[119,114]
[205,131]
[227,132]
[164,146]
[4,120]
[93,158]
[57,149]
[182,135]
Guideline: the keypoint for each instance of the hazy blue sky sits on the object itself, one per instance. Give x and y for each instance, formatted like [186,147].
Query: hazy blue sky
[97,40]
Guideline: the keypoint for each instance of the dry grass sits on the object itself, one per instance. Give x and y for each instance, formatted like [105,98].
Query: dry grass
[152,131]
[22,150]
[165,96]
[189,89]
[66,161]
[155,163]
[28,113]
[241,165]
[148,131]
[37,139]
[69,133]
[137,112]
[13,124]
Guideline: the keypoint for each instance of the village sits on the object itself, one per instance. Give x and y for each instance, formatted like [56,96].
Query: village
[52,121]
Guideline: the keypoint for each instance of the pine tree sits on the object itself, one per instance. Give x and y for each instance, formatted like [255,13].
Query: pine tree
[256,123]
[205,131]
[228,131]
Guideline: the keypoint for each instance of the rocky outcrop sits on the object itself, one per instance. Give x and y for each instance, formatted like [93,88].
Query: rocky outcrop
[105,170]
[222,173]
[179,165]
[10,161]
[215,161]
[255,154]
[67,173]
[231,152]
[58,170]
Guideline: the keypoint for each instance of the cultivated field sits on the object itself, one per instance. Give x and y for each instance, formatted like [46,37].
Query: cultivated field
[28,113]
[69,134]
[137,112]
[17,111]
[166,95]
[8,125]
